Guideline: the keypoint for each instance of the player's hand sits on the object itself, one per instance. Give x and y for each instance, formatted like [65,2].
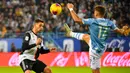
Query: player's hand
[39,40]
[126,30]
[125,27]
[70,5]
[53,50]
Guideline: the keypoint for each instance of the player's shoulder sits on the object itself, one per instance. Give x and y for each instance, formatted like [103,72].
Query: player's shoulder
[29,31]
[110,22]
[90,19]
[101,19]
[105,20]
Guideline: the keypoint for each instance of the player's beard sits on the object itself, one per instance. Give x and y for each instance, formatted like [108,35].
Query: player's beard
[40,30]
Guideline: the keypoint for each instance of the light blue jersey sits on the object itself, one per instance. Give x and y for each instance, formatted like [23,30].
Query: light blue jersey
[99,29]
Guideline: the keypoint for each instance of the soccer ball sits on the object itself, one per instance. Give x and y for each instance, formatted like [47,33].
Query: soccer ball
[55,9]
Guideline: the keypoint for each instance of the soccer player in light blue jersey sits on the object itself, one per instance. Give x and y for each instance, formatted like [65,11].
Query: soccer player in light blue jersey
[99,28]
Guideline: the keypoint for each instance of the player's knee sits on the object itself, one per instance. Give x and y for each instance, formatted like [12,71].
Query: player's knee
[47,70]
[86,38]
[27,71]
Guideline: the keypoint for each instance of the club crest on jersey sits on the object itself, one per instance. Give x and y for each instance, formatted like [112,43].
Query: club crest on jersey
[26,38]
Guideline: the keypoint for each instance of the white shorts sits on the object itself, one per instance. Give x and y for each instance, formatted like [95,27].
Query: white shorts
[94,58]
[94,62]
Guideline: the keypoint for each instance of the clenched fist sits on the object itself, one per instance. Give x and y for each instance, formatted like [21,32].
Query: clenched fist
[126,30]
[69,5]
[53,50]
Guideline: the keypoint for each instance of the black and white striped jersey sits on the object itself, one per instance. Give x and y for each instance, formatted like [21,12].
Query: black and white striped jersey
[30,50]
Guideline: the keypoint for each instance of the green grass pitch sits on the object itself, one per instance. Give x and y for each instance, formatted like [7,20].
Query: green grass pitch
[70,70]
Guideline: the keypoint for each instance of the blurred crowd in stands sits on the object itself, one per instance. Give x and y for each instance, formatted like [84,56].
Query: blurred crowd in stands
[17,16]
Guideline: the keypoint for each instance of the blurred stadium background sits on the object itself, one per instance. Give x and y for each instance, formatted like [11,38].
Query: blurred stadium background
[17,16]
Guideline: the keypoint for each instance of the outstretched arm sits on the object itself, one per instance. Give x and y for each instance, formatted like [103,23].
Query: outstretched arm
[73,14]
[122,31]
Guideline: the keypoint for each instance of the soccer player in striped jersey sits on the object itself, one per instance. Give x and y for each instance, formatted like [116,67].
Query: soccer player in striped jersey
[99,28]
[32,47]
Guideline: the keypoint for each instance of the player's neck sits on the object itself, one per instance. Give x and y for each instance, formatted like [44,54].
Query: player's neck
[99,16]
[34,31]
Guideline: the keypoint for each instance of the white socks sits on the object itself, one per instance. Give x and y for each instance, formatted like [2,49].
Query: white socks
[78,36]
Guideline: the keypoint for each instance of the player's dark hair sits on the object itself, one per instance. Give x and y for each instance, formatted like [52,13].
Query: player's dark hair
[39,20]
[101,9]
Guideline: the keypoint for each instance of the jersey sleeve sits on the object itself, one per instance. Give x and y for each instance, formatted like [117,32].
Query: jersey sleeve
[113,26]
[26,40]
[87,21]
[44,49]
